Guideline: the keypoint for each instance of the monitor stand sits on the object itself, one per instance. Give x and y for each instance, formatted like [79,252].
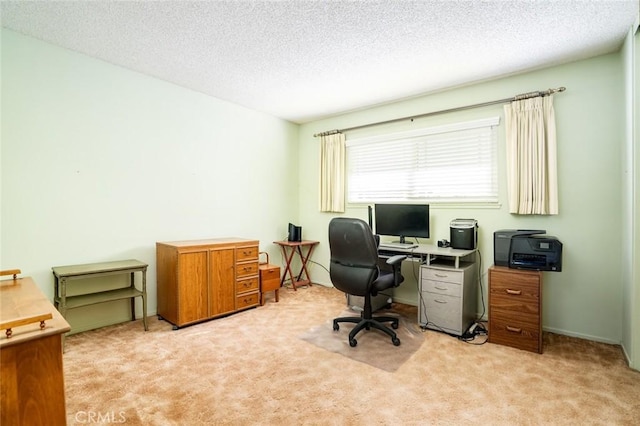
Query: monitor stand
[403,242]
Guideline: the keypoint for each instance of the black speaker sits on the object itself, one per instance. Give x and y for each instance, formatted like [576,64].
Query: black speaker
[295,233]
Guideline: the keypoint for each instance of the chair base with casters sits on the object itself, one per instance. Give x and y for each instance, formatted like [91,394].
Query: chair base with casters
[363,323]
[367,321]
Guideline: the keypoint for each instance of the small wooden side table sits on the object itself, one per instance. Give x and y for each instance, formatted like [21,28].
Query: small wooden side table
[289,249]
[269,278]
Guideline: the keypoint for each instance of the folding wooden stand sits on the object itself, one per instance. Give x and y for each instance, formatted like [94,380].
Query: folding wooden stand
[289,249]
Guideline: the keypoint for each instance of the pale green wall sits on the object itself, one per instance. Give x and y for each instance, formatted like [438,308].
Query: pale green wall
[631,210]
[634,291]
[99,163]
[585,299]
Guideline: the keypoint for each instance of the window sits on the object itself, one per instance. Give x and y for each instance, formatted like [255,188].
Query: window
[452,163]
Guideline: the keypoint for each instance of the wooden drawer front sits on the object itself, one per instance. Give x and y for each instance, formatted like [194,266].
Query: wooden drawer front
[520,331]
[269,273]
[245,285]
[514,277]
[450,276]
[246,253]
[269,277]
[247,300]
[269,285]
[444,311]
[515,297]
[441,287]
[247,269]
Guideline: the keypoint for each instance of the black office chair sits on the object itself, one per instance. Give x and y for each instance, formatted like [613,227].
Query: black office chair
[354,270]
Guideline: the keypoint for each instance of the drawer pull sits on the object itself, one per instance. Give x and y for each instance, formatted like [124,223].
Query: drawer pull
[440,288]
[514,329]
[440,301]
[514,292]
[441,276]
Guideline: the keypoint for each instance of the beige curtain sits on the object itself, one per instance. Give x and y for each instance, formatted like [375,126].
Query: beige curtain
[332,163]
[532,177]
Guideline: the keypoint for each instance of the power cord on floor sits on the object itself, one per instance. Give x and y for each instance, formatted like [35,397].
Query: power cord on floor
[475,330]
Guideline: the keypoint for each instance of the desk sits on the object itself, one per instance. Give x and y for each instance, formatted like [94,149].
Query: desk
[428,253]
[32,385]
[63,274]
[289,249]
[447,286]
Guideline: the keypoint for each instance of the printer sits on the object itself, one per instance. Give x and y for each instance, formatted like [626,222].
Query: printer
[527,249]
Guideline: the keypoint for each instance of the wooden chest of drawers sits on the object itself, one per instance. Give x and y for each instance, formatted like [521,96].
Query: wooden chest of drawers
[515,308]
[203,279]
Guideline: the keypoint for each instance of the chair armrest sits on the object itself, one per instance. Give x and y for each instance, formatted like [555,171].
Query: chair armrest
[396,260]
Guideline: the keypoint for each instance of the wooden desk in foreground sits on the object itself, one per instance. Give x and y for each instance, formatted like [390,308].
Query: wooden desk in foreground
[32,385]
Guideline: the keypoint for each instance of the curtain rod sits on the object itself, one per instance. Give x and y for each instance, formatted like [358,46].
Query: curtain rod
[444,111]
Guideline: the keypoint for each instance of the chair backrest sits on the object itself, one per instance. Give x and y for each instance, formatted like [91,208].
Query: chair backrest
[354,255]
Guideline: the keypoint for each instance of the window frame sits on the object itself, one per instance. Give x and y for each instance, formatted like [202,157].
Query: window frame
[482,134]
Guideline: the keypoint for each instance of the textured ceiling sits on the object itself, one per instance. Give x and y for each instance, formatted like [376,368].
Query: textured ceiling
[304,60]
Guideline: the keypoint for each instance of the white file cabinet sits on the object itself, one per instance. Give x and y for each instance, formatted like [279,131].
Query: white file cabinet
[448,297]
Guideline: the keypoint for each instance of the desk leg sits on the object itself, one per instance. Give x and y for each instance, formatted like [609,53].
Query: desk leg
[287,270]
[62,306]
[144,299]
[132,284]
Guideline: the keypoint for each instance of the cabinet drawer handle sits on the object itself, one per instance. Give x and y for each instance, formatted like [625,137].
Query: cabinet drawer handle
[441,276]
[440,301]
[514,329]
[515,292]
[440,288]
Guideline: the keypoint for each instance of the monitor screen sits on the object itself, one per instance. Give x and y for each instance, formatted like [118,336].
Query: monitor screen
[402,220]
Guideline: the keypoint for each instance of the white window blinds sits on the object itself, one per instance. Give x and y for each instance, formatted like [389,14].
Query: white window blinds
[452,163]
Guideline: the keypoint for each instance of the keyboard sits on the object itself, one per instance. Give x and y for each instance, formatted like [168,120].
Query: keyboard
[405,246]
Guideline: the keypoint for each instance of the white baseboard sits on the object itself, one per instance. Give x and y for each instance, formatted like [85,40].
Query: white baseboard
[580,335]
[404,301]
[81,325]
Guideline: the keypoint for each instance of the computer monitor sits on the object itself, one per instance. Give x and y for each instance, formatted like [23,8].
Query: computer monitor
[402,220]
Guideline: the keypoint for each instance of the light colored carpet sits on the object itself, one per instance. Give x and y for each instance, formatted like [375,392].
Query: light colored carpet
[374,347]
[252,368]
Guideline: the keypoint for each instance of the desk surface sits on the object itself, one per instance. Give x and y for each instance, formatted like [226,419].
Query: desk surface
[430,249]
[296,243]
[426,251]
[21,298]
[94,268]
